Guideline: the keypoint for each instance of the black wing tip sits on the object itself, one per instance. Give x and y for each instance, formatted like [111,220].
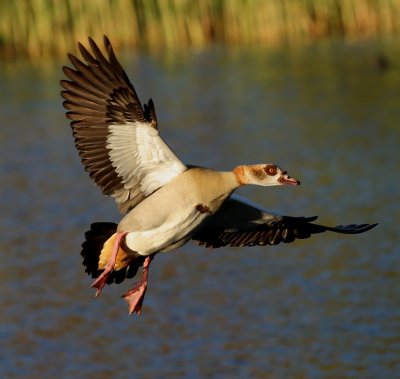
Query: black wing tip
[95,49]
[67,70]
[354,228]
[84,51]
[365,227]
[92,53]
[150,113]
[92,42]
[106,41]
[71,56]
[64,84]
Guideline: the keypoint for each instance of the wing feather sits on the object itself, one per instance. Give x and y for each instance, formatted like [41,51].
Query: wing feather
[117,139]
[241,223]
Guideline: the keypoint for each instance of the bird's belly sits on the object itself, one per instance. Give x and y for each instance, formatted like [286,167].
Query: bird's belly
[173,233]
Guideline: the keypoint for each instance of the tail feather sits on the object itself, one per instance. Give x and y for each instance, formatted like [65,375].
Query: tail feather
[95,239]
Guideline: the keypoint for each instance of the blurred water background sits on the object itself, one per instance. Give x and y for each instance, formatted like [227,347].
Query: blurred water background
[327,307]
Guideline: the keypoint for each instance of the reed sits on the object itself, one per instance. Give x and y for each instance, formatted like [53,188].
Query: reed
[39,29]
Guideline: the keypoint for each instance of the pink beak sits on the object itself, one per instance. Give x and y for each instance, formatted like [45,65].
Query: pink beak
[286,179]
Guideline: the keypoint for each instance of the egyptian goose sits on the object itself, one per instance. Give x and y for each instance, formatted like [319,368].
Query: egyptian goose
[166,203]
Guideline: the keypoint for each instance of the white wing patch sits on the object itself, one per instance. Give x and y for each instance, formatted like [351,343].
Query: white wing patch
[141,158]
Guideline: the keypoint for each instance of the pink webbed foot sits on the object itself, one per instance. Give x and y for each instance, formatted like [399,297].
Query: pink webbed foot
[101,281]
[135,296]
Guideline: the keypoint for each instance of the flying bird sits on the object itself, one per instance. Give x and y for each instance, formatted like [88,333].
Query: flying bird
[165,202]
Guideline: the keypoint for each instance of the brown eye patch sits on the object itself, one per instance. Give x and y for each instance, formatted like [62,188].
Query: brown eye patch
[271,169]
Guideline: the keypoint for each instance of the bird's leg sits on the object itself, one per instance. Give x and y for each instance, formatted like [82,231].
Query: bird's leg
[101,281]
[134,297]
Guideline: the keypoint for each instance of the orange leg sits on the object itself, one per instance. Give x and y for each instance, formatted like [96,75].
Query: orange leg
[101,281]
[135,296]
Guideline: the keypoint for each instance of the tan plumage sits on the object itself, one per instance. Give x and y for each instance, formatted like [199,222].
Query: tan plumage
[123,255]
[165,202]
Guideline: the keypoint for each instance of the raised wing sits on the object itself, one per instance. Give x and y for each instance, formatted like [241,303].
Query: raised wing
[117,139]
[240,223]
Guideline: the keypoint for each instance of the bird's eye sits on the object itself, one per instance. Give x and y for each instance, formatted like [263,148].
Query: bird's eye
[271,169]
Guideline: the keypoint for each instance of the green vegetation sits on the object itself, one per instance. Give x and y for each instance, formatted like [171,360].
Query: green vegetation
[44,28]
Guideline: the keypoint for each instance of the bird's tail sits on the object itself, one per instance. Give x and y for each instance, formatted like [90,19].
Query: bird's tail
[96,250]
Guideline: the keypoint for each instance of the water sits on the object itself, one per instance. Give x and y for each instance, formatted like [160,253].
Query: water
[327,307]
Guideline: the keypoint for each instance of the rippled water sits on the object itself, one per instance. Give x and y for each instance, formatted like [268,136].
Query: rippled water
[327,307]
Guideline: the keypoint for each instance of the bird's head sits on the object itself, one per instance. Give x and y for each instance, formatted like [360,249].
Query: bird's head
[266,174]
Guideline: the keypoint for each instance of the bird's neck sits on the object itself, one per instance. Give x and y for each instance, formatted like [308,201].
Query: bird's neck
[240,175]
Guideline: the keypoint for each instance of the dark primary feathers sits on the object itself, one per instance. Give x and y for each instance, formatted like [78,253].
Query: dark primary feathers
[103,90]
[240,223]
[109,125]
[100,94]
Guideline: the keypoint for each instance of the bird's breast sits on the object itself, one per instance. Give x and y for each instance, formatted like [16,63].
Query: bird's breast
[173,233]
